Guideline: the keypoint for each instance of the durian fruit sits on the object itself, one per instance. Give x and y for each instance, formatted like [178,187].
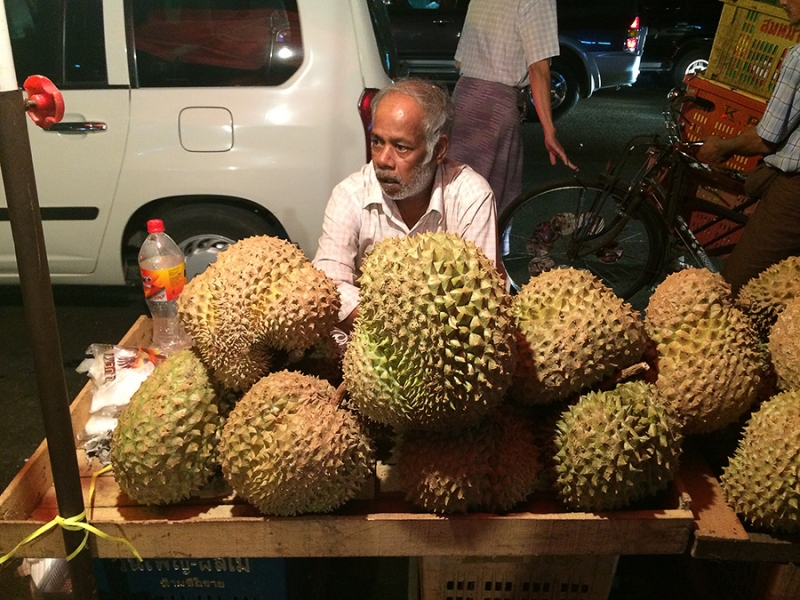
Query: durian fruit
[573,332]
[288,448]
[761,481]
[262,297]
[764,297]
[691,289]
[432,346]
[490,466]
[784,346]
[616,447]
[708,359]
[164,447]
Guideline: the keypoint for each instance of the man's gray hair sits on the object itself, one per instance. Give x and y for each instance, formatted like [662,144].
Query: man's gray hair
[437,107]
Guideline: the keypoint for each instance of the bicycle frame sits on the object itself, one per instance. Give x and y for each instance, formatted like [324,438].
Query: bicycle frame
[670,178]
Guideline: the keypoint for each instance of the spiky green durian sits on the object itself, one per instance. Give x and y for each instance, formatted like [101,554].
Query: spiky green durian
[490,466]
[708,358]
[573,332]
[432,346]
[262,296]
[762,479]
[614,448]
[764,297]
[784,346]
[288,448]
[163,449]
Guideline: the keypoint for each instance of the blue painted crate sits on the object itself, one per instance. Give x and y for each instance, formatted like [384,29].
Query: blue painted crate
[192,579]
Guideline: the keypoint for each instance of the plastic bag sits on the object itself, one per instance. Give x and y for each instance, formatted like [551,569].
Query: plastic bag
[116,372]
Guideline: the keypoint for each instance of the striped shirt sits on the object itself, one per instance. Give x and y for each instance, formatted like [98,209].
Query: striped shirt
[780,121]
[357,216]
[501,38]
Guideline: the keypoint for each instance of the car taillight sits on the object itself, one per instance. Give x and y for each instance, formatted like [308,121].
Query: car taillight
[365,112]
[632,43]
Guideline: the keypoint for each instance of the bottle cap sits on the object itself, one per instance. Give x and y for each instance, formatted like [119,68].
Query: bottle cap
[155,226]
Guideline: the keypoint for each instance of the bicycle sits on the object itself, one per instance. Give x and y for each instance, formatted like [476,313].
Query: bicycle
[675,211]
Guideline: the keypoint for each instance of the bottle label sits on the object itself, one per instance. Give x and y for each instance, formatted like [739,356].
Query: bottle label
[164,285]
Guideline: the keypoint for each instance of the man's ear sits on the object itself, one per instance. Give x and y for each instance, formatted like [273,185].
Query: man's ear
[440,149]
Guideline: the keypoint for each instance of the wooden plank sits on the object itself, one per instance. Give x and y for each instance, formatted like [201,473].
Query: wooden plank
[234,530]
[719,533]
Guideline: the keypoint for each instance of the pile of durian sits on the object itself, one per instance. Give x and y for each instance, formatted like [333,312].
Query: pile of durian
[486,399]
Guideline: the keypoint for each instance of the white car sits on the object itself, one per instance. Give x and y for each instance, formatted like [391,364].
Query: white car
[224,118]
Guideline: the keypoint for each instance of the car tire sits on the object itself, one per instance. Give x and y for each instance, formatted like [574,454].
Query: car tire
[202,231]
[565,91]
[692,62]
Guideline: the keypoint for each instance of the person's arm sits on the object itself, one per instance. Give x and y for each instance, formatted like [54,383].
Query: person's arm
[748,143]
[539,74]
[338,249]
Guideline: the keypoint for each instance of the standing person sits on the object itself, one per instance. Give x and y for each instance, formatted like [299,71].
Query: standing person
[409,187]
[773,232]
[502,43]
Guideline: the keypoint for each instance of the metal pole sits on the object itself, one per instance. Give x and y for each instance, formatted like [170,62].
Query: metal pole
[40,315]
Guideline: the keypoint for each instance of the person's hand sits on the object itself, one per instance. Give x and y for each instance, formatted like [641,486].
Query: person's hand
[556,151]
[712,151]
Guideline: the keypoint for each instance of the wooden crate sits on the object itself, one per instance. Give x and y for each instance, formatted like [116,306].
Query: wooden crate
[220,524]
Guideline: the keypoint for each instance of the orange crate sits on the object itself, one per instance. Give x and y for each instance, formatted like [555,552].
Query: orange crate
[724,111]
[751,40]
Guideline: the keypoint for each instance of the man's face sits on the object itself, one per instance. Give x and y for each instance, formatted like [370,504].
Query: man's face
[793,9]
[398,148]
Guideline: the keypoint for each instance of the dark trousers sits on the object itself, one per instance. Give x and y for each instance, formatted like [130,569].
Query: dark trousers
[773,232]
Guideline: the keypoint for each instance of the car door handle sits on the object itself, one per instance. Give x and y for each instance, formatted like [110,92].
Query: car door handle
[77,127]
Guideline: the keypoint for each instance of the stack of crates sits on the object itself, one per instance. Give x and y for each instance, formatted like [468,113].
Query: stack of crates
[751,41]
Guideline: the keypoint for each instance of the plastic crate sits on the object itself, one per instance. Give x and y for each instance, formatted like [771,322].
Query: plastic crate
[516,578]
[723,111]
[751,40]
[192,579]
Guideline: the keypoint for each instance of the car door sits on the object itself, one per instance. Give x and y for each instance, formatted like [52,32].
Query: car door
[80,46]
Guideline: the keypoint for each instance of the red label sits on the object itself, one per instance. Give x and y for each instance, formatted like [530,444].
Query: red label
[163,285]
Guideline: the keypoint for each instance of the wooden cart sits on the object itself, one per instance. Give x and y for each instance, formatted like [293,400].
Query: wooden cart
[541,536]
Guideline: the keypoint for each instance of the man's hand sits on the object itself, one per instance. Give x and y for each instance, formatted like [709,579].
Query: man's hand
[557,151]
[539,74]
[713,150]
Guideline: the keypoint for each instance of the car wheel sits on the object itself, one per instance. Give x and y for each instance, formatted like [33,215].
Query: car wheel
[564,92]
[691,63]
[202,231]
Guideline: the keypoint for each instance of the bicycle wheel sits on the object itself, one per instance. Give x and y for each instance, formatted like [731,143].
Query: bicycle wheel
[536,234]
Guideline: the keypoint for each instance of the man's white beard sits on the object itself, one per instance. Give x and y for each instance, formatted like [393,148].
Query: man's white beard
[421,179]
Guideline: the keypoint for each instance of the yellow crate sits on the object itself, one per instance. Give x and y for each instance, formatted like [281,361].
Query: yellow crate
[516,578]
[752,39]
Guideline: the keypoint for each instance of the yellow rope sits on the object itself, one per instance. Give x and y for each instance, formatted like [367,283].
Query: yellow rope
[75,523]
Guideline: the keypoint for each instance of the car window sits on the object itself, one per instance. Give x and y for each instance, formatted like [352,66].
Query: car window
[204,43]
[60,39]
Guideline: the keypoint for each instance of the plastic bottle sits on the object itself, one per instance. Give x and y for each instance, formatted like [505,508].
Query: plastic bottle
[163,270]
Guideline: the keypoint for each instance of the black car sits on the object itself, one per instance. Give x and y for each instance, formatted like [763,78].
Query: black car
[680,34]
[600,44]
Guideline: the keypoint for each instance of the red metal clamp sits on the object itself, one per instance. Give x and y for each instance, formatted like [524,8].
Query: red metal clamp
[45,102]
